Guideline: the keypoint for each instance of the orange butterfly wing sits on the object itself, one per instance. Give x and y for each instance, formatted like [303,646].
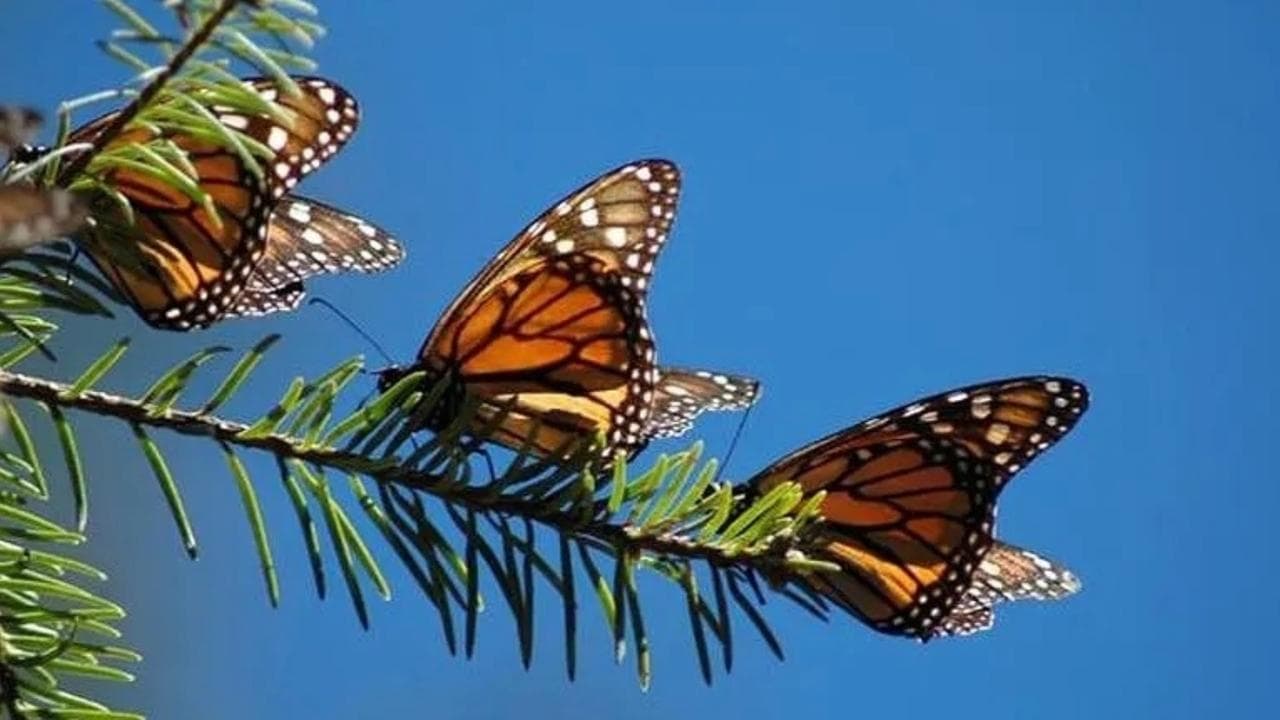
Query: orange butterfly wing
[911,494]
[555,327]
[180,265]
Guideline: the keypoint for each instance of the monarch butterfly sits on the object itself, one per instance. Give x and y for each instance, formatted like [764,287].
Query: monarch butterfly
[1006,573]
[553,331]
[911,500]
[30,216]
[181,266]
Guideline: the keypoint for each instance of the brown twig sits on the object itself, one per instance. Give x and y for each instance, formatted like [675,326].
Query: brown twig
[126,116]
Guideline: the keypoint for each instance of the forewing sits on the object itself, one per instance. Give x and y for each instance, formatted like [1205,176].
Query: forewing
[318,122]
[618,222]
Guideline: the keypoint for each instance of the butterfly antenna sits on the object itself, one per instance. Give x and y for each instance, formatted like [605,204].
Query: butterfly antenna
[354,326]
[733,444]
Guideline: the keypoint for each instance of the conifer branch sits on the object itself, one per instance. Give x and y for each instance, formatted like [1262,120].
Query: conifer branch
[149,92]
[626,536]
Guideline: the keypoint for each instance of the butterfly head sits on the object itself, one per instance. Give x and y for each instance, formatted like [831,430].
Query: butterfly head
[389,376]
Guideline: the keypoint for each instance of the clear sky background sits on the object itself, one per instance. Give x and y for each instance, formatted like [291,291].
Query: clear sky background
[879,203]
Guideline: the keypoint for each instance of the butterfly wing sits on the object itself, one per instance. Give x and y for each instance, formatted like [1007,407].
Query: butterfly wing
[182,263]
[555,328]
[319,121]
[1013,573]
[911,494]
[257,302]
[682,394]
[968,620]
[1006,573]
[30,216]
[308,238]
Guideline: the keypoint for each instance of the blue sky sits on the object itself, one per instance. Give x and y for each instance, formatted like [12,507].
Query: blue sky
[879,203]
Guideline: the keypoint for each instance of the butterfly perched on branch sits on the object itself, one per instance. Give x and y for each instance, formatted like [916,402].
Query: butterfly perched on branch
[910,505]
[553,335]
[206,237]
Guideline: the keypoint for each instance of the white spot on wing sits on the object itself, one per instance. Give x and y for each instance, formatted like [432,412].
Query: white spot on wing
[615,236]
[277,138]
